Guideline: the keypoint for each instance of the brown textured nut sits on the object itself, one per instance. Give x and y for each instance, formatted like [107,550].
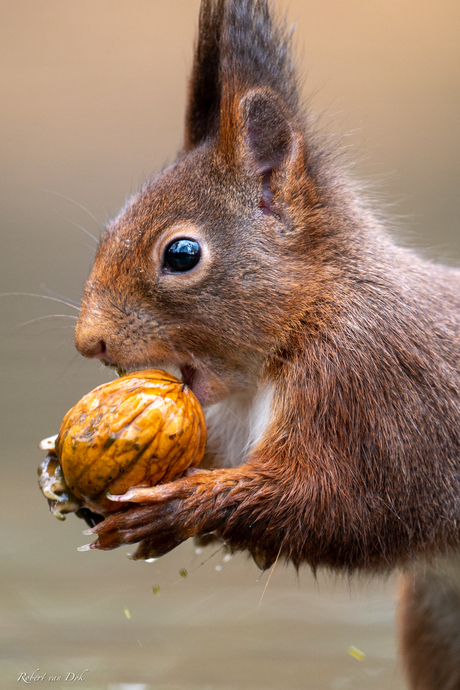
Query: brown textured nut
[142,429]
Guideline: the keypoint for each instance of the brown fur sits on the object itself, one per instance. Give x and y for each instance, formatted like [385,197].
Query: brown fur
[300,289]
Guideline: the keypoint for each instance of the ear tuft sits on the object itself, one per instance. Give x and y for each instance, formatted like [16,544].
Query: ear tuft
[204,90]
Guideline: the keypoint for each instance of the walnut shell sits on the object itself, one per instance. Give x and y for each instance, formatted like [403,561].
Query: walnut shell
[142,429]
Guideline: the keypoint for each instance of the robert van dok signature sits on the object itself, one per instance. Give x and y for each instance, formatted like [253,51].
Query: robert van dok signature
[37,676]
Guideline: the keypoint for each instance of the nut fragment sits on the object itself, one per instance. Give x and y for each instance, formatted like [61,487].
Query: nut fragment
[52,483]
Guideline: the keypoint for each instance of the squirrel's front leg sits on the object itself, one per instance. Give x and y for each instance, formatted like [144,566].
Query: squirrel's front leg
[225,502]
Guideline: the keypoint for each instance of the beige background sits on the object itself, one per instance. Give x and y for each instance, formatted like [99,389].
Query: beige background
[91,102]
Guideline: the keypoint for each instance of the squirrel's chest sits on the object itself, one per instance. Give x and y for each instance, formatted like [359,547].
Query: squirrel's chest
[236,424]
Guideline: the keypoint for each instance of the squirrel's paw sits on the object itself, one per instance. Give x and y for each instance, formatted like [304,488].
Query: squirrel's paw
[153,525]
[158,522]
[218,502]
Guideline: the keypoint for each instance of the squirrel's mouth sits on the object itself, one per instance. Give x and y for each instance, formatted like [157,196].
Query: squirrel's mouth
[189,375]
[185,372]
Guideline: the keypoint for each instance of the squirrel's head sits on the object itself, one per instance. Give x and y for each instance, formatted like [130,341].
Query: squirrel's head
[209,267]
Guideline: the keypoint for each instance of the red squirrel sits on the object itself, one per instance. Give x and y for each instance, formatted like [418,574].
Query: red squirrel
[326,357]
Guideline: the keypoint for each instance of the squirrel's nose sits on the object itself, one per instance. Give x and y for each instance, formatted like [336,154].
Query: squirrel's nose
[92,333]
[98,350]
[94,349]
[89,343]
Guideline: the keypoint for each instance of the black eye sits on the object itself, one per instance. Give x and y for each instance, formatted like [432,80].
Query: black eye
[182,255]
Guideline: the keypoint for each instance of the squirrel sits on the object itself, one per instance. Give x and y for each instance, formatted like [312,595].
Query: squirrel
[326,357]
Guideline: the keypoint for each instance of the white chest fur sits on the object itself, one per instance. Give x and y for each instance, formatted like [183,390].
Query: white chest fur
[236,424]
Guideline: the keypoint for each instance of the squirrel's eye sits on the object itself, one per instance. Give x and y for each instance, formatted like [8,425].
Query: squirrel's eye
[182,255]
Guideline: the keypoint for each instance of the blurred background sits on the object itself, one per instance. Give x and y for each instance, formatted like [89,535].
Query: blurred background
[91,102]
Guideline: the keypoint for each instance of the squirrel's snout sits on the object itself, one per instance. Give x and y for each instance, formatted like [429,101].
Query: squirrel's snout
[93,348]
[90,342]
[98,350]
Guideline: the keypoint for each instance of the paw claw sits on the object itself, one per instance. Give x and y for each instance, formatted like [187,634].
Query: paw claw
[118,497]
[85,547]
[48,443]
[51,495]
[135,494]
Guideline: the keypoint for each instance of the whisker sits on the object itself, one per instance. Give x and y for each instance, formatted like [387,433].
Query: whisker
[48,316]
[60,344]
[56,294]
[32,294]
[235,415]
[88,246]
[269,577]
[72,201]
[173,347]
[117,306]
[104,367]
[208,558]
[80,227]
[71,362]
[173,584]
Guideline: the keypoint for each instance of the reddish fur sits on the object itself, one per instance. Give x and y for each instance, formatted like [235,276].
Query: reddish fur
[305,291]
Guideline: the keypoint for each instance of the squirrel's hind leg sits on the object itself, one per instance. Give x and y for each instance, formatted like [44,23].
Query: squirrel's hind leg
[429,620]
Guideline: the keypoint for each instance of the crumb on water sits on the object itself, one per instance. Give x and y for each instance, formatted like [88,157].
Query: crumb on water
[218,567]
[156,590]
[127,612]
[183,572]
[356,653]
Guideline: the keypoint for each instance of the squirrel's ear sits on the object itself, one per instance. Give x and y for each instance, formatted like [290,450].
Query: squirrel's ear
[267,133]
[259,132]
[204,89]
